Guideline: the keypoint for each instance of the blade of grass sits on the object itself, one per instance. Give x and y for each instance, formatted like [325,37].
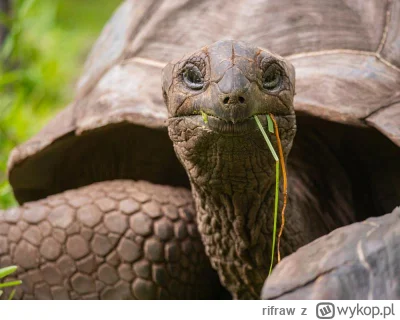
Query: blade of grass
[271,148]
[275,215]
[270,124]
[284,174]
[10,284]
[12,294]
[4,272]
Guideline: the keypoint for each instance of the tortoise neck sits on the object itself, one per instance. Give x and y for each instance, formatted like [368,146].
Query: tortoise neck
[233,182]
[234,216]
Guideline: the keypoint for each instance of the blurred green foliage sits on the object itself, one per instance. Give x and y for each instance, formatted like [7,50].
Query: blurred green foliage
[40,62]
[4,272]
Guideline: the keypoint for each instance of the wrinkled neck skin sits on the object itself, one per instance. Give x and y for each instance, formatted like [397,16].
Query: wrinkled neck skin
[236,227]
[233,183]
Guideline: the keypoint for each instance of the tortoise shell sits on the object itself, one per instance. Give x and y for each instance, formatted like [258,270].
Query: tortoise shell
[360,261]
[346,54]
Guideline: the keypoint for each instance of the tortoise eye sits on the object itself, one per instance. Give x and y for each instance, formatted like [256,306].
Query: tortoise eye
[193,77]
[272,78]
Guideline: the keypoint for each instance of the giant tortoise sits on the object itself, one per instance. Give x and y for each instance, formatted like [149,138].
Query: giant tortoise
[106,207]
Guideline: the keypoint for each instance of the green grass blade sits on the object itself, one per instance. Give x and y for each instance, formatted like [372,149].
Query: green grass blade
[271,148]
[12,294]
[10,284]
[275,215]
[4,272]
[270,124]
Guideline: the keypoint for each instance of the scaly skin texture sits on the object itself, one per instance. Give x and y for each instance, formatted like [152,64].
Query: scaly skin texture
[111,240]
[232,171]
[234,197]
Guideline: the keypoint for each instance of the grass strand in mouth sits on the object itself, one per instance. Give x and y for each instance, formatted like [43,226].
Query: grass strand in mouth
[270,124]
[284,176]
[271,148]
[205,116]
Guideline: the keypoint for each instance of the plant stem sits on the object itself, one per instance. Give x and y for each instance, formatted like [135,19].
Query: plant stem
[271,148]
[12,294]
[284,174]
[275,215]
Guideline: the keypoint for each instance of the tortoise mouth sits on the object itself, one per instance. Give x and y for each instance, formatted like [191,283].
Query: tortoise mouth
[214,123]
[247,126]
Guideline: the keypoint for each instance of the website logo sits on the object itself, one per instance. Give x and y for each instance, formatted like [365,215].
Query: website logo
[325,310]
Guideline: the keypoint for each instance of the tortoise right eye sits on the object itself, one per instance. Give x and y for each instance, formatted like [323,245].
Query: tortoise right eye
[272,78]
[193,77]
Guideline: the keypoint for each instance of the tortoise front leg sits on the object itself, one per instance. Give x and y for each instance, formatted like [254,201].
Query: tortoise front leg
[110,240]
[359,261]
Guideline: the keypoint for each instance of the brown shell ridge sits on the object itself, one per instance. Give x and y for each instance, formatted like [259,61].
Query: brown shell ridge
[323,266]
[380,109]
[386,28]
[145,61]
[386,120]
[343,51]
[140,25]
[277,295]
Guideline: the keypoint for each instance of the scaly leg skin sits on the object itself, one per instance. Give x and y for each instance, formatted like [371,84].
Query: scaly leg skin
[111,240]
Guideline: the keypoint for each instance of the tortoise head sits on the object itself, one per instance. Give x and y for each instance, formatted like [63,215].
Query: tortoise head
[213,95]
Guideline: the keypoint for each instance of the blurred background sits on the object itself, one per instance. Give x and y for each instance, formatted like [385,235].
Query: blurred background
[43,46]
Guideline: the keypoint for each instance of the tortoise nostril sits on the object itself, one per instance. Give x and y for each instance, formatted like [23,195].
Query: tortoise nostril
[233,99]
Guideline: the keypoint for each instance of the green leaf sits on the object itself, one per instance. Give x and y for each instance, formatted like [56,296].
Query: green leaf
[10,284]
[275,215]
[270,124]
[10,77]
[271,148]
[12,294]
[4,272]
